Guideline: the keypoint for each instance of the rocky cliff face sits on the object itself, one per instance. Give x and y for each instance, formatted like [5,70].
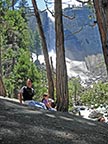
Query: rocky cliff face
[81,34]
[82,41]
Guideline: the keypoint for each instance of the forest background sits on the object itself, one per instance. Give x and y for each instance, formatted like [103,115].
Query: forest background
[18,42]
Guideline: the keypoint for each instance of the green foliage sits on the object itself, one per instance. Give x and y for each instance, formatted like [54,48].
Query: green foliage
[22,70]
[35,46]
[75,90]
[16,45]
[5,4]
[16,24]
[14,35]
[96,95]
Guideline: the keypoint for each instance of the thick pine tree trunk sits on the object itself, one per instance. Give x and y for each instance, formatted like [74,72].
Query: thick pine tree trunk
[101,8]
[45,51]
[61,71]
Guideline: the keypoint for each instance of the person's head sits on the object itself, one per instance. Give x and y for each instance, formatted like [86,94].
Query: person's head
[52,103]
[29,83]
[45,96]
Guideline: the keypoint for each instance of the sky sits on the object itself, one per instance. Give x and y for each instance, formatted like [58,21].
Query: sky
[41,3]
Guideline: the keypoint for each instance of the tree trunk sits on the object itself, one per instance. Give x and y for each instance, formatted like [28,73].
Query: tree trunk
[101,8]
[13,4]
[61,70]
[2,88]
[45,51]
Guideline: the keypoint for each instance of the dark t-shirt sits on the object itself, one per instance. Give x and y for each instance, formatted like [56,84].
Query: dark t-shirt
[27,92]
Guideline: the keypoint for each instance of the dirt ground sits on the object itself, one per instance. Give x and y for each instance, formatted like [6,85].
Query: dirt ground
[21,124]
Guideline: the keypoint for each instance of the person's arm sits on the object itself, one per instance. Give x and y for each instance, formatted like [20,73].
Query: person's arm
[20,97]
[47,104]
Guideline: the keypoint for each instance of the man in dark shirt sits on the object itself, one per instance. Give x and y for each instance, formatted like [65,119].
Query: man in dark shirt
[27,92]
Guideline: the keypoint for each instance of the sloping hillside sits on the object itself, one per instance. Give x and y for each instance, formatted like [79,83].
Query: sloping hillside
[20,124]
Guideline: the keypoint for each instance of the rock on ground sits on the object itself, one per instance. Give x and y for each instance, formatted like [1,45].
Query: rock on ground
[21,124]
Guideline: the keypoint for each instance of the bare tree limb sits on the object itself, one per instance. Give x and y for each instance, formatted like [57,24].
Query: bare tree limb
[69,17]
[83,2]
[52,13]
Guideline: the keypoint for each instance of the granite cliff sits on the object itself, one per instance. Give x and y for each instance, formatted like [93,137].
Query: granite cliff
[83,48]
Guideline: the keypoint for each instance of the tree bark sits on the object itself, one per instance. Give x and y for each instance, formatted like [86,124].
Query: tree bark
[61,70]
[45,51]
[2,87]
[13,4]
[101,8]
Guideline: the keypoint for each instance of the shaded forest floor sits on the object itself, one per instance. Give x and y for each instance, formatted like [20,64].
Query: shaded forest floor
[21,124]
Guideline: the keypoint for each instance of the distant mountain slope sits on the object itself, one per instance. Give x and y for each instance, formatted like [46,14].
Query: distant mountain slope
[82,41]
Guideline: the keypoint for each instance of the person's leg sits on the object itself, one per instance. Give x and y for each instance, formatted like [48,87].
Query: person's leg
[52,109]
